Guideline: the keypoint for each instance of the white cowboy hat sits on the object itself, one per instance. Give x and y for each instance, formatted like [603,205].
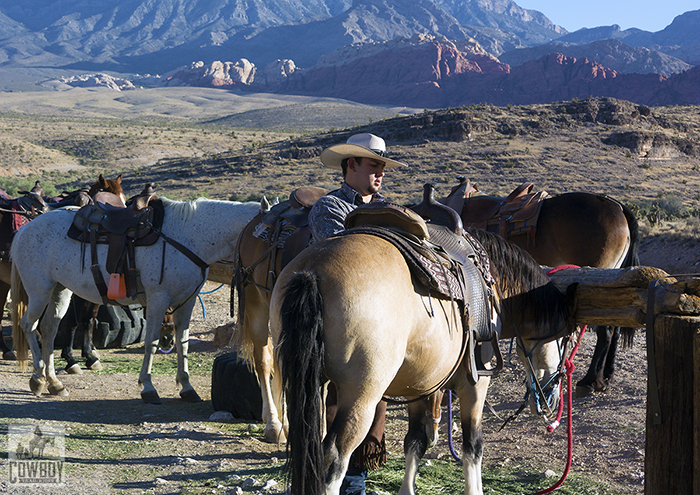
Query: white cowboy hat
[363,145]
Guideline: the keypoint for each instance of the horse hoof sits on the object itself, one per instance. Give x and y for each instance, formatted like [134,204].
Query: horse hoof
[584,390]
[37,385]
[74,370]
[601,387]
[96,366]
[58,389]
[151,397]
[275,436]
[9,356]
[190,396]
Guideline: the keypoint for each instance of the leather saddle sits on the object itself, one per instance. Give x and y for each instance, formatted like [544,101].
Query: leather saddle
[508,216]
[108,220]
[443,258]
[286,225]
[285,229]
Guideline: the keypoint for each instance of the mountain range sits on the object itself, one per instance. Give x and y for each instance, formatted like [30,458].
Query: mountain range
[428,49]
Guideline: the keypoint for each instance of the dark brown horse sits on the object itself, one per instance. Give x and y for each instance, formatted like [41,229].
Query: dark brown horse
[575,228]
[10,222]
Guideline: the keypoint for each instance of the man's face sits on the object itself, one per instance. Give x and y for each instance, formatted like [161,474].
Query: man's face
[365,175]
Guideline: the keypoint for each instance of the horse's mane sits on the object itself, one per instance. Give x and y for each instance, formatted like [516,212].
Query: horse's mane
[182,210]
[527,290]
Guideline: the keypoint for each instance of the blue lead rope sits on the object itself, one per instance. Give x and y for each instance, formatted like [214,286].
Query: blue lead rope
[204,311]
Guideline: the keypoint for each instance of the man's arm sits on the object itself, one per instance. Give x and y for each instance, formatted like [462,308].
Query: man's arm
[327,217]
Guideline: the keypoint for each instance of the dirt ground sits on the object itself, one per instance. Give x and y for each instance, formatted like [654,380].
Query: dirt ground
[175,448]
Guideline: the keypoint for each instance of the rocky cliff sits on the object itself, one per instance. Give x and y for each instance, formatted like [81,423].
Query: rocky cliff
[430,72]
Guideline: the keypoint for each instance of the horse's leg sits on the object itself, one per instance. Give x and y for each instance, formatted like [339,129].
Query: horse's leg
[181,319]
[609,368]
[471,401]
[155,312]
[55,311]
[347,431]
[166,342]
[7,353]
[92,358]
[72,366]
[594,377]
[256,318]
[423,421]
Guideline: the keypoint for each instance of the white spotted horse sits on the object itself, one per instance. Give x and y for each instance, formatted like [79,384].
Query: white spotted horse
[48,264]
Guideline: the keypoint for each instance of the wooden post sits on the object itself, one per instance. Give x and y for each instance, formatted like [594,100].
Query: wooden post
[672,460]
[620,298]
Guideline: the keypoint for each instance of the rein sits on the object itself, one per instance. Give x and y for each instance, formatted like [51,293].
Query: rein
[570,429]
[568,365]
[30,215]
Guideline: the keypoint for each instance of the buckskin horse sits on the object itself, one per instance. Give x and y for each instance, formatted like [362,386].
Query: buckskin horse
[268,242]
[16,213]
[576,228]
[47,264]
[349,310]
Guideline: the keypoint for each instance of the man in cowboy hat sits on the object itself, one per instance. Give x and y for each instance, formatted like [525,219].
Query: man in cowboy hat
[362,160]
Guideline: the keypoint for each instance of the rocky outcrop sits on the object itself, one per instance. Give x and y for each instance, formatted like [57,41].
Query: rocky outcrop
[430,72]
[605,111]
[437,74]
[98,81]
[653,145]
[216,74]
[278,71]
[403,70]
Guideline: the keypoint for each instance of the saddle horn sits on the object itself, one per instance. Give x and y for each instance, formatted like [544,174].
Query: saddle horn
[438,213]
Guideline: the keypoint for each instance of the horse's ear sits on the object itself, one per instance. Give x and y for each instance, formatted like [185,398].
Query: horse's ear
[102,181]
[119,179]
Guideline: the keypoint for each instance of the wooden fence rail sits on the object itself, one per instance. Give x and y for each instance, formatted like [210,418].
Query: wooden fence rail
[621,298]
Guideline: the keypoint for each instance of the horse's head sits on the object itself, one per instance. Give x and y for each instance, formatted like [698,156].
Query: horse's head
[534,312]
[107,185]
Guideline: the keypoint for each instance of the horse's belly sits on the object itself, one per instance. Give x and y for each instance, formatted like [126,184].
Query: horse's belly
[427,366]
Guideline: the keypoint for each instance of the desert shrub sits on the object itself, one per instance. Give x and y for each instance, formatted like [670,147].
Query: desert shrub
[661,209]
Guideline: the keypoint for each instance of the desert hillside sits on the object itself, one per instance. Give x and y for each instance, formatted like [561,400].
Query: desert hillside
[194,142]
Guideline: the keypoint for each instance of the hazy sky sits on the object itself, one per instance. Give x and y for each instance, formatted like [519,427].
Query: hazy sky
[643,14]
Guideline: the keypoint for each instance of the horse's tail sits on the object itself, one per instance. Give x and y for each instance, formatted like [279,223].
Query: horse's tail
[18,307]
[242,338]
[300,354]
[632,259]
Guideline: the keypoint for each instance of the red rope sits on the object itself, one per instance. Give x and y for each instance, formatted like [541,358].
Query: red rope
[569,365]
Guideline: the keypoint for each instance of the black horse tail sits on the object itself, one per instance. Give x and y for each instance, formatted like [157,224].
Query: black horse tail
[632,259]
[300,354]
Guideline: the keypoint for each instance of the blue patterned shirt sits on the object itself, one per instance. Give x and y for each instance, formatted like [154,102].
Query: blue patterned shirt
[327,215]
